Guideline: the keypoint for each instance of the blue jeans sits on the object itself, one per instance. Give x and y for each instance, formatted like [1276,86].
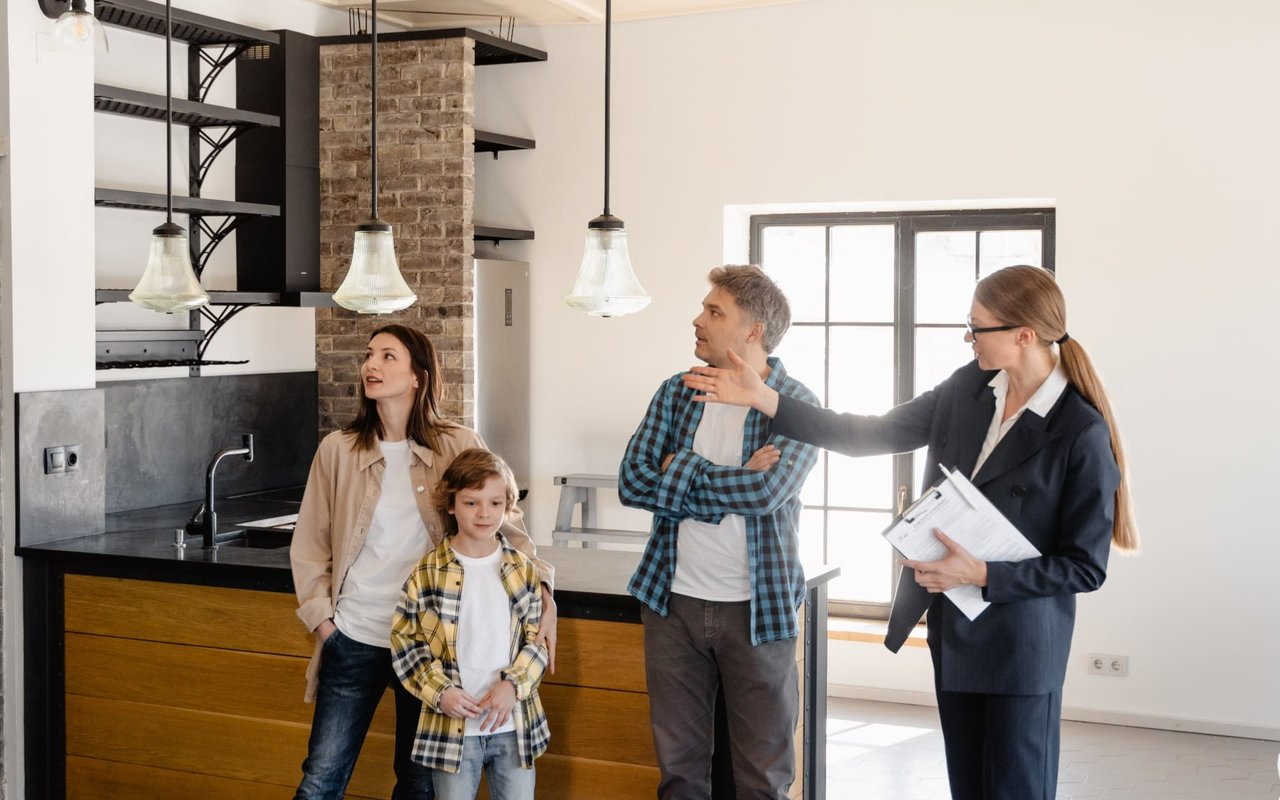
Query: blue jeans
[497,757]
[353,677]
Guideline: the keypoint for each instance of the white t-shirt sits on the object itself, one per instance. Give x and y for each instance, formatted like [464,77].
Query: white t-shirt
[711,560]
[484,631]
[397,540]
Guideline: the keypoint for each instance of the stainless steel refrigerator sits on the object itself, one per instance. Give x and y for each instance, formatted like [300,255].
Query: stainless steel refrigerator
[502,361]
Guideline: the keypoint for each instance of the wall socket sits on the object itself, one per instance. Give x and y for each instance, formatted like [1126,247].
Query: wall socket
[1108,664]
[61,458]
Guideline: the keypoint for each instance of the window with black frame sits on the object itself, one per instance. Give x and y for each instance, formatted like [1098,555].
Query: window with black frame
[878,303]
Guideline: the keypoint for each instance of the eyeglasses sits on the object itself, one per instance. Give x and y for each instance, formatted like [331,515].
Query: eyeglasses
[972,331]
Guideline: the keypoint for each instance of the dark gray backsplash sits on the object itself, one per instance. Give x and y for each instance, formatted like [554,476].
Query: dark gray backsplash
[161,434]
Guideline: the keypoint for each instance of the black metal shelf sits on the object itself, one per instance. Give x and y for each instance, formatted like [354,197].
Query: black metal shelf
[213,45]
[197,29]
[132,346]
[145,105]
[485,233]
[165,362]
[489,49]
[199,206]
[232,298]
[489,142]
[135,349]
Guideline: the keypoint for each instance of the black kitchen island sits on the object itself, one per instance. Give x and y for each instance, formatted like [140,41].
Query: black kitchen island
[154,670]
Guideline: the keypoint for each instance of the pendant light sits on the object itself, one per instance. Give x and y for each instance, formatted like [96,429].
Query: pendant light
[374,284]
[607,286]
[169,284]
[77,30]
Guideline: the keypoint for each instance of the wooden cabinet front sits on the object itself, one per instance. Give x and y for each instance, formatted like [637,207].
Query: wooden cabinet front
[175,690]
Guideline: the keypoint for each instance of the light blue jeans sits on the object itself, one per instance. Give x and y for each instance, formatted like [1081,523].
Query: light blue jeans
[498,759]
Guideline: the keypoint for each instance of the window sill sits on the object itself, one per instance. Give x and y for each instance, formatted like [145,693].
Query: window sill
[846,629]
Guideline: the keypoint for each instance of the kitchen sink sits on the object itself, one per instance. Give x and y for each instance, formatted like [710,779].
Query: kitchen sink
[257,539]
[261,534]
[289,494]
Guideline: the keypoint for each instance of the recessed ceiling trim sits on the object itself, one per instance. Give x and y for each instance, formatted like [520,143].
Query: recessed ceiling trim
[587,10]
[542,12]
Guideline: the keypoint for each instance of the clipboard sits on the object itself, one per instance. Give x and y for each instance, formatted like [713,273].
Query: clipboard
[955,506]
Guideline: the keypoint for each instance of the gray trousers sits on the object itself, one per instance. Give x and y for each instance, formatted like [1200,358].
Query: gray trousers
[698,648]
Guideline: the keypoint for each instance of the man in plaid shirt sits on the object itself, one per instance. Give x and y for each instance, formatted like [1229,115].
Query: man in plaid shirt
[720,578]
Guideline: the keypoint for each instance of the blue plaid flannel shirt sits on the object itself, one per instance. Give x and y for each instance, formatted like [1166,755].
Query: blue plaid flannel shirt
[694,488]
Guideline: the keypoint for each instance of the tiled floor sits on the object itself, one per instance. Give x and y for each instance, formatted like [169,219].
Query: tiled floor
[886,751]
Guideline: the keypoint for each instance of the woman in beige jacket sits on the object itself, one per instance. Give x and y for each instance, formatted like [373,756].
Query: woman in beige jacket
[365,523]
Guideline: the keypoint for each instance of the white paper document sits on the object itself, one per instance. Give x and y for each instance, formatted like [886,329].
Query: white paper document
[956,507]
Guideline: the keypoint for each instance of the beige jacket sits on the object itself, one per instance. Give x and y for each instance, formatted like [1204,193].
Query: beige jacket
[342,492]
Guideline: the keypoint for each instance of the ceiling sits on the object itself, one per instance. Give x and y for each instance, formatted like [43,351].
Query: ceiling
[482,13]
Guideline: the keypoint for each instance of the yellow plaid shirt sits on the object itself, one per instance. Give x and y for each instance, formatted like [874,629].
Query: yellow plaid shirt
[424,635]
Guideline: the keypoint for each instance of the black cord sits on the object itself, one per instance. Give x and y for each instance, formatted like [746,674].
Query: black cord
[373,114]
[608,49]
[168,109]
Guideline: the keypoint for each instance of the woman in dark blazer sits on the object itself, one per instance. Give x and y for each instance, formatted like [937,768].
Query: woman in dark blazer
[1029,421]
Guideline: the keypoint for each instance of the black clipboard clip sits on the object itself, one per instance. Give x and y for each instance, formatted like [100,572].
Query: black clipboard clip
[933,494]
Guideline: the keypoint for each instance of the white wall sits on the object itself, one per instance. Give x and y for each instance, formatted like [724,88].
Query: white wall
[50,218]
[1152,125]
[46,257]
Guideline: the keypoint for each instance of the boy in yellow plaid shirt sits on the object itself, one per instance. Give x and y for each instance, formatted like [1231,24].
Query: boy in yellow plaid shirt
[462,641]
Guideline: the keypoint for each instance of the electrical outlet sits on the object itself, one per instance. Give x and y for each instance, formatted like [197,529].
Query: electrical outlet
[61,458]
[1108,664]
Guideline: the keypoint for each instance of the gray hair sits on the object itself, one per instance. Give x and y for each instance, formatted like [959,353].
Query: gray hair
[759,298]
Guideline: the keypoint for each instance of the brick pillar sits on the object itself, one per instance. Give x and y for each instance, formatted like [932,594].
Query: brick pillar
[426,175]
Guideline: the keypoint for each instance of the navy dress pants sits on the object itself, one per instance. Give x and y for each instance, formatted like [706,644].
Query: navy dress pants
[1001,746]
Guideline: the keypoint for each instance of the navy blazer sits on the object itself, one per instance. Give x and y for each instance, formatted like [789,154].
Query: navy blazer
[1054,477]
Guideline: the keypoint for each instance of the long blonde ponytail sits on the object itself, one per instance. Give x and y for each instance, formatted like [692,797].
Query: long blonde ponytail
[1080,371]
[1029,296]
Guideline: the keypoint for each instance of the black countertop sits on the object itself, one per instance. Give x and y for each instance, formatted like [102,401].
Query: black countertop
[140,543]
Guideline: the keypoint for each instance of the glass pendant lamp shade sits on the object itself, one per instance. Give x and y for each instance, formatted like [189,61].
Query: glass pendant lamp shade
[169,283]
[607,286]
[78,31]
[374,284]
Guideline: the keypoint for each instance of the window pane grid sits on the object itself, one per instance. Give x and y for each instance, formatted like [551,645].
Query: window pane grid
[867,509]
[828,325]
[922,349]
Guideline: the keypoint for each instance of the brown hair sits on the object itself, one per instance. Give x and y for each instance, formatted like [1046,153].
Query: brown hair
[1030,297]
[425,424]
[758,296]
[469,470]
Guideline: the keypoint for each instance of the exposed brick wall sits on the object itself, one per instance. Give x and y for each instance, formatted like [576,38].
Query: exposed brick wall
[426,176]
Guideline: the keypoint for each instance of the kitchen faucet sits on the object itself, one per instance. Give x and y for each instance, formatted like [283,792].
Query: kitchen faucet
[205,520]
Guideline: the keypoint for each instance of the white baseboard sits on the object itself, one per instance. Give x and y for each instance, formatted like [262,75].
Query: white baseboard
[1100,716]
[879,695]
